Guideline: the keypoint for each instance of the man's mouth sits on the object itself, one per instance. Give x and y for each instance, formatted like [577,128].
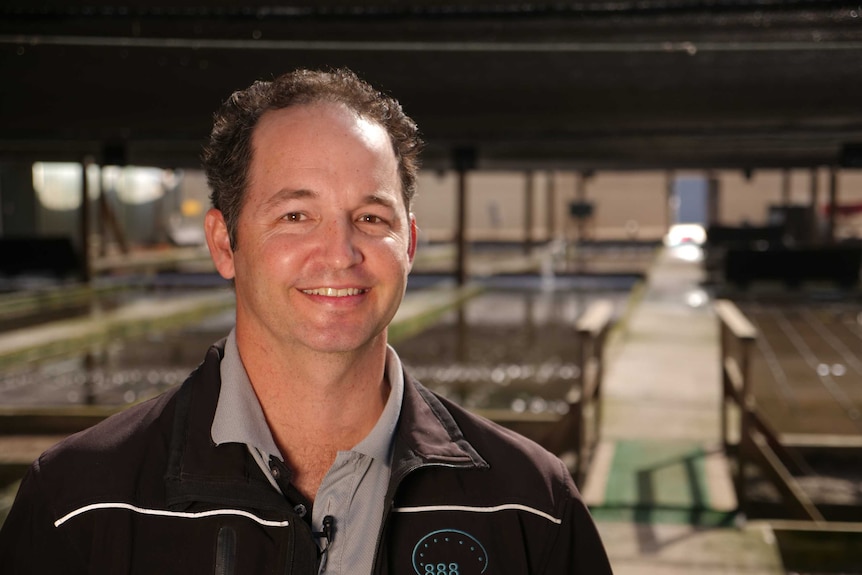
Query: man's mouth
[333,292]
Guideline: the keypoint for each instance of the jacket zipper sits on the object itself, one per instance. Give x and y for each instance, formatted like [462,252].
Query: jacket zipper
[390,503]
[225,560]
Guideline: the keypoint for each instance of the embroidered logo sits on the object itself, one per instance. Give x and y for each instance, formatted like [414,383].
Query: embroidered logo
[449,552]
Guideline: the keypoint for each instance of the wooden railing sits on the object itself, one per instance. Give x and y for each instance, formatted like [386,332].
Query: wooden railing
[572,436]
[578,432]
[758,443]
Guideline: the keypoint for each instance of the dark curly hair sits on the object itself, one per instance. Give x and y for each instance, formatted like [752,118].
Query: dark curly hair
[228,153]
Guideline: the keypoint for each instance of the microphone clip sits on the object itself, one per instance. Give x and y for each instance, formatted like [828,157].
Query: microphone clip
[328,532]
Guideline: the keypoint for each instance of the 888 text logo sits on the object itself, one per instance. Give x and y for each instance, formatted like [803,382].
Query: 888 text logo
[449,552]
[442,569]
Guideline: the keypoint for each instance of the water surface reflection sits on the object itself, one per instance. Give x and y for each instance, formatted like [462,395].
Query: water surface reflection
[513,347]
[122,372]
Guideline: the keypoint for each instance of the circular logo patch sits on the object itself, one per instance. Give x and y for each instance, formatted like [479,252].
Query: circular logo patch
[449,552]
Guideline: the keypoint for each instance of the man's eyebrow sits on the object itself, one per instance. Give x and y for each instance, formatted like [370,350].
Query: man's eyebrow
[287,194]
[379,200]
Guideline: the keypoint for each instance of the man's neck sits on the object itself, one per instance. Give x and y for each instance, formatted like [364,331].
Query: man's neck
[316,404]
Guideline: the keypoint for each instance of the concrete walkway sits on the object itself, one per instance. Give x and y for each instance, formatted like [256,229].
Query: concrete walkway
[659,486]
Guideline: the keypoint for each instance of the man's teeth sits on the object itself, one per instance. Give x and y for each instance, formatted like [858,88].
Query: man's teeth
[332,292]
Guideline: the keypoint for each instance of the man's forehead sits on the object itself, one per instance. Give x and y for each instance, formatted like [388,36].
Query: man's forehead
[295,127]
[298,127]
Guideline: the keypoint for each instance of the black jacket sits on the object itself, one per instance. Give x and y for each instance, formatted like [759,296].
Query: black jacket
[147,491]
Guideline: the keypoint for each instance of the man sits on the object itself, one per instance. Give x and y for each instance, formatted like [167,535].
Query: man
[299,445]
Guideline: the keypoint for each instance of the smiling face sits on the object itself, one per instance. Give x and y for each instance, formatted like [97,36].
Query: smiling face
[324,240]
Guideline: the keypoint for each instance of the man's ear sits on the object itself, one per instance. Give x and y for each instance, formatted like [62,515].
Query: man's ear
[218,240]
[411,248]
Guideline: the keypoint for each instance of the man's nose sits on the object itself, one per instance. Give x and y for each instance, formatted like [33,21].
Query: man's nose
[340,244]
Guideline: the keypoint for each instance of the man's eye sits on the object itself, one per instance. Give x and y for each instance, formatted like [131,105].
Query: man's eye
[370,219]
[294,217]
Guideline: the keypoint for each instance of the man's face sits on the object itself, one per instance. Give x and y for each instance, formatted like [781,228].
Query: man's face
[324,241]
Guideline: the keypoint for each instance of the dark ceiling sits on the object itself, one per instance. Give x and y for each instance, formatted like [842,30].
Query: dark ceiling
[581,85]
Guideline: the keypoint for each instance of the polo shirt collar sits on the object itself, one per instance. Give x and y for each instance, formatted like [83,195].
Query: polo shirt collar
[378,442]
[239,417]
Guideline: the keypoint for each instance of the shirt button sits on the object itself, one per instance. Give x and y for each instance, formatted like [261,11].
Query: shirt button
[300,510]
[276,472]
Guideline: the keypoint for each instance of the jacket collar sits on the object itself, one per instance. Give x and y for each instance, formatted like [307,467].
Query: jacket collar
[428,433]
[198,470]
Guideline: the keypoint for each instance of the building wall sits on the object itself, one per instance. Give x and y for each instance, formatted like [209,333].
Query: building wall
[627,205]
[747,200]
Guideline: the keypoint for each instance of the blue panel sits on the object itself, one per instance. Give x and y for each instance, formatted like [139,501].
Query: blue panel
[691,195]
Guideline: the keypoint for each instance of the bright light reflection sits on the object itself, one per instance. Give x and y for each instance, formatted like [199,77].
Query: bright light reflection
[696,298]
[140,185]
[57,185]
[682,234]
[688,252]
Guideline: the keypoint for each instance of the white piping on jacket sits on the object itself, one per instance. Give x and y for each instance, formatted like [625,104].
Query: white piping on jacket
[165,513]
[470,509]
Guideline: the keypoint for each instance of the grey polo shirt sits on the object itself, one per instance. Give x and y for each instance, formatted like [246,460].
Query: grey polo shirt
[354,488]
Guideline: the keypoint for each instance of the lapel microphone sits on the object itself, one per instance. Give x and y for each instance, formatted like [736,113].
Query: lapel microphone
[328,532]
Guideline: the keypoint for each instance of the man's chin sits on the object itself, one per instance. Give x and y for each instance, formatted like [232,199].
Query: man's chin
[347,341]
